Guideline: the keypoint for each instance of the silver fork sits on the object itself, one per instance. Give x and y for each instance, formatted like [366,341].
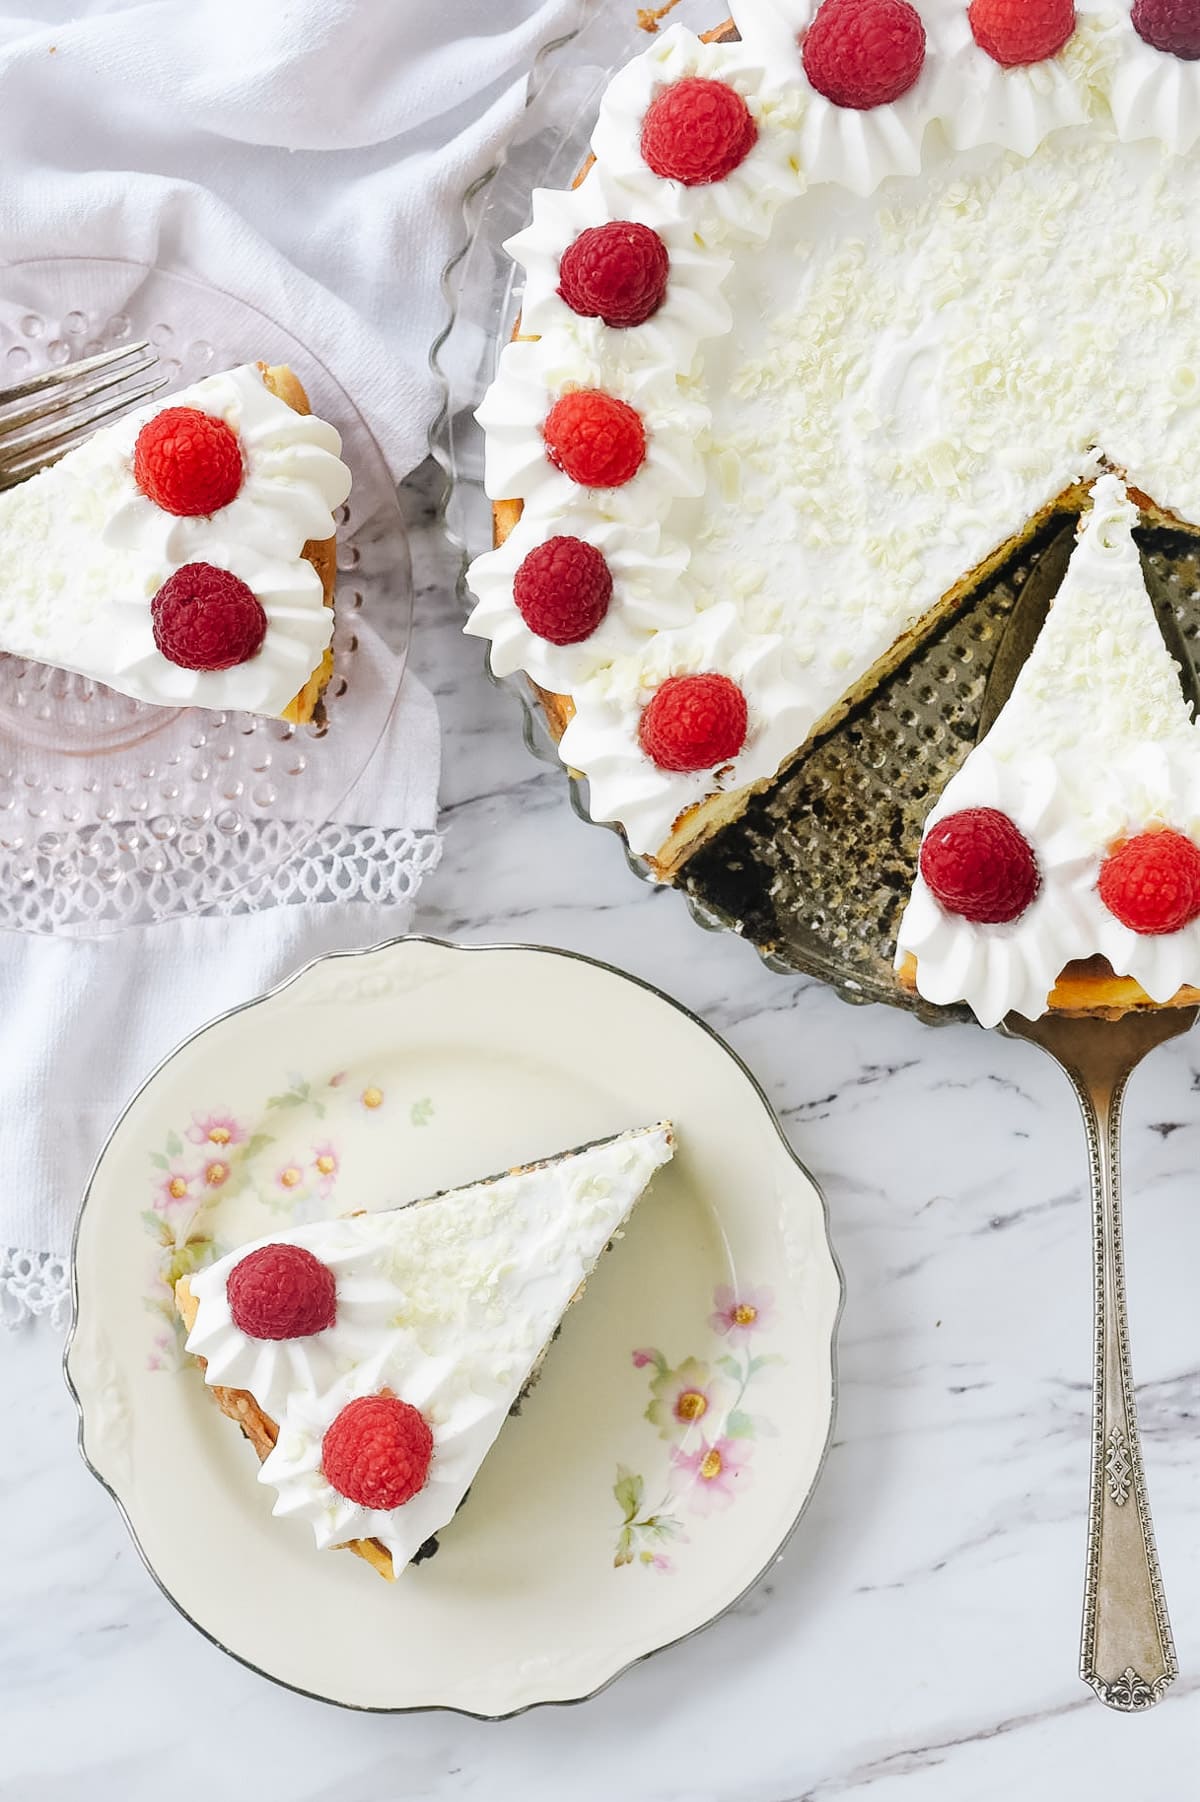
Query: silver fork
[68,403]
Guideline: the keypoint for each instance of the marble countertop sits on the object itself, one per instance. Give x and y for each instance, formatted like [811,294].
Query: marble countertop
[919,1640]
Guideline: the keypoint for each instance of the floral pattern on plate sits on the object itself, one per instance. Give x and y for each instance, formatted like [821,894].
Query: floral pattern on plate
[291,1158]
[699,1408]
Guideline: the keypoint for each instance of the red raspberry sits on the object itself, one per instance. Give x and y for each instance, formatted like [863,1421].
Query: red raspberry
[207,618]
[693,723]
[980,866]
[1152,883]
[697,132]
[377,1452]
[562,590]
[596,439]
[1021,31]
[187,462]
[864,53]
[615,272]
[1170,25]
[281,1292]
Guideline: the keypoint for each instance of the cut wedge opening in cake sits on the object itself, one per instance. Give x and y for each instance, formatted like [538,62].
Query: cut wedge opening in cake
[372,1359]
[774,416]
[1060,868]
[185,556]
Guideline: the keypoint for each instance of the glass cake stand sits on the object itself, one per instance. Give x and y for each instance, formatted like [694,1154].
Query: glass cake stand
[817,872]
[113,812]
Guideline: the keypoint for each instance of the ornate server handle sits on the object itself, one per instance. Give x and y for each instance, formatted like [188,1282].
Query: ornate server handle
[1127,1654]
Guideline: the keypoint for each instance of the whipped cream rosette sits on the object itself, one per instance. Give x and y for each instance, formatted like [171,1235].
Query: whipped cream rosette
[1153,95]
[602,739]
[692,308]
[649,589]
[533,377]
[741,206]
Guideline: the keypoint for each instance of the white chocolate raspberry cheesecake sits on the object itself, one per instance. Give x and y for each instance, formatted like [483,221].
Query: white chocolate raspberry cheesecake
[842,310]
[373,1359]
[1059,868]
[185,555]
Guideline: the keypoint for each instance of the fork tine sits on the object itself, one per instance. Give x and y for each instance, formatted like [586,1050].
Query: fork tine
[62,397]
[39,453]
[67,372]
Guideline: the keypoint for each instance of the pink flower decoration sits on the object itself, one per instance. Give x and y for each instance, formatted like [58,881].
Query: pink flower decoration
[661,1562]
[216,1173]
[718,1470]
[290,1177]
[220,1129]
[642,1358]
[336,1081]
[326,1163]
[174,1189]
[681,1399]
[741,1311]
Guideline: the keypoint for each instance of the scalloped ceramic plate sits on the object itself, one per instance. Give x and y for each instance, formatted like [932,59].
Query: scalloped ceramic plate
[593,1535]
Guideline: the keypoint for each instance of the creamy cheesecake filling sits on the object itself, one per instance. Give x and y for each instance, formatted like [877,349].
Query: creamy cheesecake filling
[909,374]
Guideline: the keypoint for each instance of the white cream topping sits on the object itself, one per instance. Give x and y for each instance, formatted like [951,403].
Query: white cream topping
[916,364]
[1154,95]
[1095,744]
[84,552]
[448,1303]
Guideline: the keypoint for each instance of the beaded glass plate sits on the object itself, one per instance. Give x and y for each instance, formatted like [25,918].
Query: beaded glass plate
[113,812]
[817,872]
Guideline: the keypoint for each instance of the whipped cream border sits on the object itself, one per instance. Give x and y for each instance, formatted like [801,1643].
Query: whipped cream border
[803,140]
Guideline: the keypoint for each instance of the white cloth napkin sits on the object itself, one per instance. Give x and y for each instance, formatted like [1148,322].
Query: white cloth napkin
[308,155]
[307,158]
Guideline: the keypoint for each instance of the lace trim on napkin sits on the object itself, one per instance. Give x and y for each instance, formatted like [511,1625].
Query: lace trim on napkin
[32,1283]
[77,883]
[114,876]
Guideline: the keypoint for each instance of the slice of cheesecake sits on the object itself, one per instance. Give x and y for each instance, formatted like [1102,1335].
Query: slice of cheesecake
[185,555]
[1060,867]
[372,1360]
